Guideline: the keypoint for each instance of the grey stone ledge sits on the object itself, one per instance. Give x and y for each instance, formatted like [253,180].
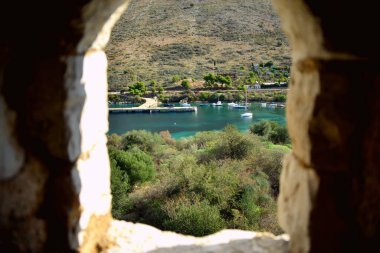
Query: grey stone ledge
[140,238]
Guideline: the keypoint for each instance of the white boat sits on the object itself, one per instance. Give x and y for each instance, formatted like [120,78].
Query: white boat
[184,103]
[232,104]
[240,106]
[263,104]
[246,114]
[272,106]
[219,103]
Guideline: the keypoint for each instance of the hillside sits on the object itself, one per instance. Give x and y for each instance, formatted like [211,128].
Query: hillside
[155,40]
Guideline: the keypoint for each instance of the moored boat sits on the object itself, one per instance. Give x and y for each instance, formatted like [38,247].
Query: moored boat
[247,115]
[240,106]
[219,103]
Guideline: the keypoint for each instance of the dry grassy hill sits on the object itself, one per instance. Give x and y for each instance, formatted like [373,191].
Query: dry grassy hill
[156,39]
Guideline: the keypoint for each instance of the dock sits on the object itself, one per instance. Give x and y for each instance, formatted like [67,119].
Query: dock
[151,106]
[153,109]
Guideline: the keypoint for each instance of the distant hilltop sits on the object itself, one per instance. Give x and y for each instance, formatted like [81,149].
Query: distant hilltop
[156,40]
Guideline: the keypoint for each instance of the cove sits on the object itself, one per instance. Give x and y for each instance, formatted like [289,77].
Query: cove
[181,125]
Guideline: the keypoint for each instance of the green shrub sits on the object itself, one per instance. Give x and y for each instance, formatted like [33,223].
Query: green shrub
[138,88]
[144,140]
[205,139]
[269,161]
[204,96]
[224,80]
[262,128]
[194,217]
[218,182]
[279,135]
[163,98]
[210,80]
[114,141]
[254,197]
[119,189]
[114,98]
[160,89]
[175,79]
[185,167]
[152,212]
[232,144]
[137,164]
[185,84]
[272,131]
[280,98]
[153,86]
[241,87]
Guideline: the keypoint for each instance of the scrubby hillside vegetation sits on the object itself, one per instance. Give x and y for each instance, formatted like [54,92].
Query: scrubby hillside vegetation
[156,40]
[202,184]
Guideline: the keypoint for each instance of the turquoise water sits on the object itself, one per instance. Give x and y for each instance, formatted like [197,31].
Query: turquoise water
[189,123]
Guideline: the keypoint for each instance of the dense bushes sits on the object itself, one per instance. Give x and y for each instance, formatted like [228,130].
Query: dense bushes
[196,185]
[279,98]
[144,140]
[138,88]
[186,84]
[136,164]
[268,160]
[232,145]
[119,188]
[272,131]
[213,81]
[194,217]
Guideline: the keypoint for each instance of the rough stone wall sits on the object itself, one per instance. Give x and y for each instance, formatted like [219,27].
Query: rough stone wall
[54,171]
[330,185]
[141,238]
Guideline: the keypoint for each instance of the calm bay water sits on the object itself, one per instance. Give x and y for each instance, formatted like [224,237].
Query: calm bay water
[189,123]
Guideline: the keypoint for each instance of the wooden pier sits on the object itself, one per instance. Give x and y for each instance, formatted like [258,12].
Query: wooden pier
[153,109]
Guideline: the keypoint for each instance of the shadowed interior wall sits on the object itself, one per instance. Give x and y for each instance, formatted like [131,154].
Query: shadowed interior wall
[333,119]
[54,169]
